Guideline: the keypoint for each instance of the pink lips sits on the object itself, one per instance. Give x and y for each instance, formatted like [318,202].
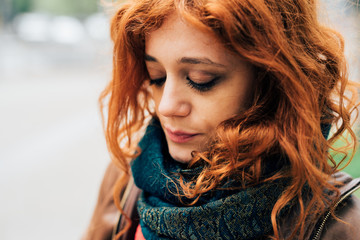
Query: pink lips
[179,136]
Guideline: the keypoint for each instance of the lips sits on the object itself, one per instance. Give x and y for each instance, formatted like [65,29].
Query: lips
[180,136]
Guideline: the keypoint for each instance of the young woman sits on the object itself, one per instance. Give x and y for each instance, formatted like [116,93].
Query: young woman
[220,112]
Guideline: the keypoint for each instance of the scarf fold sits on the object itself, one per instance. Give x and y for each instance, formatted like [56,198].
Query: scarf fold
[225,214]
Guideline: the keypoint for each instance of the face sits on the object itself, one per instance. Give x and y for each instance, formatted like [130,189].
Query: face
[196,84]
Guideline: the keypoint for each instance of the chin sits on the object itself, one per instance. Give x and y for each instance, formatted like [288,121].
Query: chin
[183,157]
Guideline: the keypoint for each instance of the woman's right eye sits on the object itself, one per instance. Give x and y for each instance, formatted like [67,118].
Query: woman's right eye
[158,81]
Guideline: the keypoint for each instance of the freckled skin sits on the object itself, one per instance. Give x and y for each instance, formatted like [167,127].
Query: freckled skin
[181,107]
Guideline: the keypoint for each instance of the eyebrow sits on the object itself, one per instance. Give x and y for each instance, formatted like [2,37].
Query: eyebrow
[188,60]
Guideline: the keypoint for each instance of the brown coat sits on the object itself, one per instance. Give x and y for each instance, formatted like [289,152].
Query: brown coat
[105,216]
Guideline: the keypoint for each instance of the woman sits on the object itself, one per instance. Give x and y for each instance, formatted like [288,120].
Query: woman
[237,98]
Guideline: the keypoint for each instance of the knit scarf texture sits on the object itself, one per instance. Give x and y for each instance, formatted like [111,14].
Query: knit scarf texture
[221,214]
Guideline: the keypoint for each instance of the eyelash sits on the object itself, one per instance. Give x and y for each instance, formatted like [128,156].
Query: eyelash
[201,87]
[158,81]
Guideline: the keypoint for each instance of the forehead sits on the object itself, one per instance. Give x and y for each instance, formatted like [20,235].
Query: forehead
[178,38]
[175,28]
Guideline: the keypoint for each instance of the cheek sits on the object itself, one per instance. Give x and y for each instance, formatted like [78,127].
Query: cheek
[209,114]
[155,94]
[226,105]
[239,96]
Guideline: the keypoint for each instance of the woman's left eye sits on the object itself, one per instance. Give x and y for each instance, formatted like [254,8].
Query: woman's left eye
[202,87]
[158,81]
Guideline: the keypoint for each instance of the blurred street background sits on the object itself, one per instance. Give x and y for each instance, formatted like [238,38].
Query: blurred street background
[55,59]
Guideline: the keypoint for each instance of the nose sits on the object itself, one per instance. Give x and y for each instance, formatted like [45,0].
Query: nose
[173,101]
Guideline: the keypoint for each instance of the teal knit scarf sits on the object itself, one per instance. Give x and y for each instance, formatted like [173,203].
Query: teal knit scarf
[226,214]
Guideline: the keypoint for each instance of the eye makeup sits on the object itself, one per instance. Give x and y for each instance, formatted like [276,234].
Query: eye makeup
[199,80]
[158,81]
[202,80]
[201,87]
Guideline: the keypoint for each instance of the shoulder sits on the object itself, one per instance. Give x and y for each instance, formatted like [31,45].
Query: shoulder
[347,226]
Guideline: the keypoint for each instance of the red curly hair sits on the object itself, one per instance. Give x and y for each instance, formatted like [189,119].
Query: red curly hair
[301,84]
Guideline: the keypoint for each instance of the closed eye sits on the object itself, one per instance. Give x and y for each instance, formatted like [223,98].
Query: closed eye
[202,87]
[158,81]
